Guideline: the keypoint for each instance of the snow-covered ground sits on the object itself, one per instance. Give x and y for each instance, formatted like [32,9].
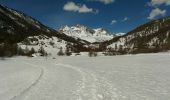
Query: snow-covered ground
[129,77]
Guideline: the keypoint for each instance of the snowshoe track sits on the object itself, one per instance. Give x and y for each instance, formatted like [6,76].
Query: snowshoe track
[92,87]
[16,97]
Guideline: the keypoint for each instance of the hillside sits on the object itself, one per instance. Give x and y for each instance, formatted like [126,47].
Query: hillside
[150,37]
[18,28]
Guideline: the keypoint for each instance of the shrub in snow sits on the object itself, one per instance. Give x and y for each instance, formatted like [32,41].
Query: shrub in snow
[68,51]
[42,52]
[92,54]
[77,54]
[60,53]
[32,51]
[20,51]
[52,43]
[95,54]
[8,50]
[108,53]
[26,50]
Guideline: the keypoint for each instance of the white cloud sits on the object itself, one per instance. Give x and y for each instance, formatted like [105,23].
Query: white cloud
[71,6]
[104,1]
[156,12]
[113,22]
[125,19]
[159,2]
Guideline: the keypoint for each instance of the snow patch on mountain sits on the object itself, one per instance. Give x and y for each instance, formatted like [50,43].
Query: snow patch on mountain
[88,34]
[119,34]
[50,45]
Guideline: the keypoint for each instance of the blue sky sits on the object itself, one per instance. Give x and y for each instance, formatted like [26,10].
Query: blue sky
[112,15]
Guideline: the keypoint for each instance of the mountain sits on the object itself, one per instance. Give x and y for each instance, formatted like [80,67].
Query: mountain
[17,27]
[88,34]
[20,26]
[25,31]
[150,37]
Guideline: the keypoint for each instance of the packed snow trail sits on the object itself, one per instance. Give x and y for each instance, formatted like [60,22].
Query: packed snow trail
[22,93]
[17,78]
[139,77]
[91,88]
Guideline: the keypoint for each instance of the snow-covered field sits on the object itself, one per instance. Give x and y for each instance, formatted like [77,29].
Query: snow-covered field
[137,77]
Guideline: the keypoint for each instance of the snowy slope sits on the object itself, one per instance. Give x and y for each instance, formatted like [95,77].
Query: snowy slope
[19,28]
[51,45]
[88,34]
[153,36]
[139,77]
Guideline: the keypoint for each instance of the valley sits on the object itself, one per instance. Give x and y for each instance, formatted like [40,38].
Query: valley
[140,77]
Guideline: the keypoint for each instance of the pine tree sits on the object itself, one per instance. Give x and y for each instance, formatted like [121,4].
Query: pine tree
[60,53]
[42,51]
[32,51]
[2,51]
[95,54]
[90,53]
[26,51]
[20,51]
[115,47]
[68,50]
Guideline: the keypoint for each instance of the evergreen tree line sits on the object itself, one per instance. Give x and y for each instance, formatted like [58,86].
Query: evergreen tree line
[62,53]
[9,50]
[71,48]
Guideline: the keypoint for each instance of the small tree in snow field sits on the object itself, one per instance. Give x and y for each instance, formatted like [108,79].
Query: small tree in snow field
[60,53]
[42,51]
